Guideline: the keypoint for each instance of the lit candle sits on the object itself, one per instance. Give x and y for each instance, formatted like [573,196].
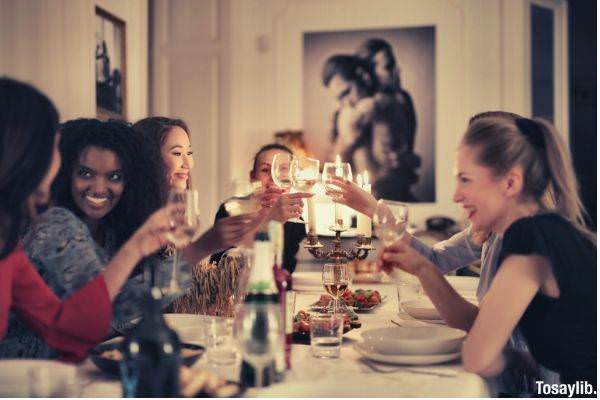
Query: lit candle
[367,188]
[339,171]
[312,219]
[363,221]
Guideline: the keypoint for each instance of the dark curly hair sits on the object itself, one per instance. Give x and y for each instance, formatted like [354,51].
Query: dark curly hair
[153,132]
[28,125]
[140,195]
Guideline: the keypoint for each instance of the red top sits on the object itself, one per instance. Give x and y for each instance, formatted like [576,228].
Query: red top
[71,326]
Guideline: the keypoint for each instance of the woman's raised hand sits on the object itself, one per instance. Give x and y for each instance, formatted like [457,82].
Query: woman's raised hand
[351,195]
[151,236]
[288,206]
[401,255]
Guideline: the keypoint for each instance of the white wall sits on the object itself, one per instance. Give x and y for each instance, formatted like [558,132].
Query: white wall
[51,45]
[482,63]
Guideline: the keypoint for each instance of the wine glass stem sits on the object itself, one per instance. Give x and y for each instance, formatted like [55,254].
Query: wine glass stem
[258,381]
[174,271]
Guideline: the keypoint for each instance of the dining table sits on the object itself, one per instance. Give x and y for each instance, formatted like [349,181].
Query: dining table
[346,376]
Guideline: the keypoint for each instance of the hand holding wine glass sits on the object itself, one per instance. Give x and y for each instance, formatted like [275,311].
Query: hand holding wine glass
[390,220]
[342,170]
[183,213]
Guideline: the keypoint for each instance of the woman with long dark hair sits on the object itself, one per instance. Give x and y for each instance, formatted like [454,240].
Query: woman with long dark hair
[29,160]
[102,194]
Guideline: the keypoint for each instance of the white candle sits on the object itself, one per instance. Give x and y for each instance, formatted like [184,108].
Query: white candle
[312,220]
[363,222]
[367,188]
[337,209]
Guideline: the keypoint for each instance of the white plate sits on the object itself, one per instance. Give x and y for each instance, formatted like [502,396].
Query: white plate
[55,379]
[416,340]
[463,283]
[421,309]
[403,359]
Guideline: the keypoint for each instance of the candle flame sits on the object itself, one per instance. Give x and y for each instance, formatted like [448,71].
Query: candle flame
[338,160]
[366,177]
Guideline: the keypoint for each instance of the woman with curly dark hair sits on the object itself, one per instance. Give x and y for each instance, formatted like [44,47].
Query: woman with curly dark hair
[29,161]
[104,191]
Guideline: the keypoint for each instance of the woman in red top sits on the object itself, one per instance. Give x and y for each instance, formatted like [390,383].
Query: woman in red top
[29,160]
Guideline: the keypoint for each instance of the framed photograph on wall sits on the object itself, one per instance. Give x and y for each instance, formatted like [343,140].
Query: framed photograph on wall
[110,64]
[369,96]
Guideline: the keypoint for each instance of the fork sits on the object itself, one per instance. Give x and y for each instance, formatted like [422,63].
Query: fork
[388,370]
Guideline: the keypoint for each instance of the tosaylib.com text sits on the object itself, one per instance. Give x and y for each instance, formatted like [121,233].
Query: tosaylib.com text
[578,388]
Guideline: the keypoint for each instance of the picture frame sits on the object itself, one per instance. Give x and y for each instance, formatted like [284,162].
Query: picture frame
[110,66]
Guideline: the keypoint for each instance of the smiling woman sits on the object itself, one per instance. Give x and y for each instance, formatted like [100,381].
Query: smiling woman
[104,191]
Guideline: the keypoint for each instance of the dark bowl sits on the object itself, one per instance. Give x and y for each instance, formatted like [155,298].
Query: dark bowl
[111,367]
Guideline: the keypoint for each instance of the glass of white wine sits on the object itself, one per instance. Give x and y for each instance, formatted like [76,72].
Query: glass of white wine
[183,211]
[282,174]
[244,199]
[342,170]
[390,220]
[336,280]
[305,173]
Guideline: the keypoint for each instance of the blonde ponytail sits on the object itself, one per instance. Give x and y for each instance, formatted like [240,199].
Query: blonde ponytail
[562,193]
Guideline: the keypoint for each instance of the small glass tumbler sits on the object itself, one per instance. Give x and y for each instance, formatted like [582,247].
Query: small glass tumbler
[407,291]
[221,348]
[326,335]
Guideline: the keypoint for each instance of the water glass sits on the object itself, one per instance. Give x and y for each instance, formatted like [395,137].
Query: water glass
[407,291]
[326,335]
[221,348]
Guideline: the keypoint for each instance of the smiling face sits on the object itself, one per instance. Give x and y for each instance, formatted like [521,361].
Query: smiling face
[262,171]
[482,195]
[178,157]
[97,182]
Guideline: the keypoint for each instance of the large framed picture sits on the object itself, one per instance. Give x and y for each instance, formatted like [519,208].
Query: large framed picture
[111,64]
[369,96]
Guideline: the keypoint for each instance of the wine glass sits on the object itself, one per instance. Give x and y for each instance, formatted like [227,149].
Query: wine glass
[282,176]
[184,217]
[343,170]
[305,173]
[258,334]
[390,220]
[243,199]
[336,280]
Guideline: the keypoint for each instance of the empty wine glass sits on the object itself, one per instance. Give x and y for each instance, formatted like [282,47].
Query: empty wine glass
[305,173]
[336,280]
[390,220]
[257,331]
[343,170]
[184,217]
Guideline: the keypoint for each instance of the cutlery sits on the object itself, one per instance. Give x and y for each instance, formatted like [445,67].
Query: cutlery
[388,370]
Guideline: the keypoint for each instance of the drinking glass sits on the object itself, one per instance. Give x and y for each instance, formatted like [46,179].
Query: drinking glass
[257,329]
[336,280]
[280,170]
[218,336]
[326,335]
[244,198]
[390,220]
[184,217]
[305,173]
[343,170]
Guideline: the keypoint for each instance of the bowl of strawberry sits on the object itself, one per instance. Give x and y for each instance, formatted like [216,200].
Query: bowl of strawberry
[302,326]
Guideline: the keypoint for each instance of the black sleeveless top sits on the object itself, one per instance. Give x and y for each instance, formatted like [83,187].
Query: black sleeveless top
[561,333]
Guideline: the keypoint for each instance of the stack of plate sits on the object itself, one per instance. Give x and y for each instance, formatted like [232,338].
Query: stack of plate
[421,345]
[423,310]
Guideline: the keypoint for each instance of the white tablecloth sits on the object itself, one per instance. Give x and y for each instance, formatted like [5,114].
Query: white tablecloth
[343,377]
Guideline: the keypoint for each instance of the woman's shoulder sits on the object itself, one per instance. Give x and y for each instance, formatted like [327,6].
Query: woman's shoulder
[56,223]
[59,216]
[539,223]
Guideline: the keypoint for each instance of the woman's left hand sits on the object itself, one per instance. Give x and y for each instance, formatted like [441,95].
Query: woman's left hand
[401,255]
